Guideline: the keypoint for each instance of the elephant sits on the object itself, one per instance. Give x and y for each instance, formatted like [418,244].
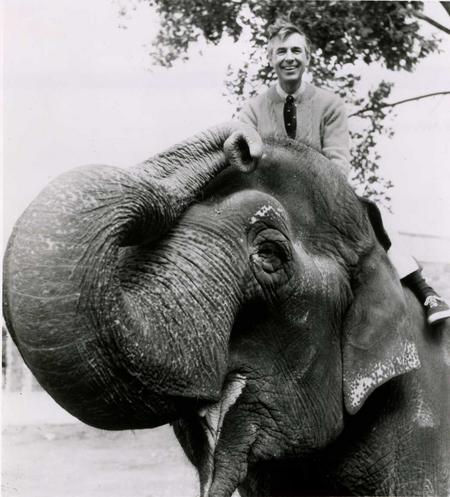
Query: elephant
[237,288]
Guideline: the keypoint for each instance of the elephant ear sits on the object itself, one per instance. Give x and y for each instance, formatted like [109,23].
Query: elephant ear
[376,221]
[376,346]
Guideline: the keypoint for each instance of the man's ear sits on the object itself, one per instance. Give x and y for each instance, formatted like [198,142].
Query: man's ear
[308,58]
[376,346]
[269,57]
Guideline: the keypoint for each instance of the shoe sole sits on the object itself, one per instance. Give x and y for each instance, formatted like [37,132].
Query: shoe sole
[438,316]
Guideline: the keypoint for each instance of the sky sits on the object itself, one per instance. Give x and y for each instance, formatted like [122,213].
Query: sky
[79,89]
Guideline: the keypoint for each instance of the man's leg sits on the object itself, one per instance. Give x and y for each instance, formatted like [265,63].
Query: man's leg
[410,273]
[436,308]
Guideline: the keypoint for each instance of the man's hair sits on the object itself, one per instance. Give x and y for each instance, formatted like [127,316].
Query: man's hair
[282,28]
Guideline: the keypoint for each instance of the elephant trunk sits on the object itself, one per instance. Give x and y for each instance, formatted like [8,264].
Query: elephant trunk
[87,283]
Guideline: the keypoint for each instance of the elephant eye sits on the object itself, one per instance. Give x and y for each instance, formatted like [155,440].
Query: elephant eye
[271,251]
[270,256]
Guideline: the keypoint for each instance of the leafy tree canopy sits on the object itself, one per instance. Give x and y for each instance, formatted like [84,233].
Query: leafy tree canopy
[346,36]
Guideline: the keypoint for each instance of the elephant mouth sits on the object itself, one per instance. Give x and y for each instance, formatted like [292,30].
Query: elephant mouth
[212,418]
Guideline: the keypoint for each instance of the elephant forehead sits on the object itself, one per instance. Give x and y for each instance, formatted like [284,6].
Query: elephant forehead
[254,206]
[265,211]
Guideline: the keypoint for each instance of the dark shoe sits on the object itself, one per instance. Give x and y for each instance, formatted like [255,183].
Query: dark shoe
[436,308]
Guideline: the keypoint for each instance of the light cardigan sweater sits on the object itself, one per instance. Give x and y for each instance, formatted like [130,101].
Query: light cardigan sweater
[321,121]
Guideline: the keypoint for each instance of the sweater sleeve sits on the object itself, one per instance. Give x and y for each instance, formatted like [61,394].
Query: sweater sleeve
[335,136]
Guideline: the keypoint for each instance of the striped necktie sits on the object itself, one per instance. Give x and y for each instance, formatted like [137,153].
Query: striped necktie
[290,116]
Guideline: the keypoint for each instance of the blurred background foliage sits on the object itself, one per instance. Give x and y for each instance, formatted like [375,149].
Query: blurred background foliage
[346,36]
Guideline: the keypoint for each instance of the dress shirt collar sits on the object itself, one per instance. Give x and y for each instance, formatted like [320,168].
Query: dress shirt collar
[283,94]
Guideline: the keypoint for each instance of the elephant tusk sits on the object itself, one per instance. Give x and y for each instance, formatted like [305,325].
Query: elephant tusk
[213,417]
[214,414]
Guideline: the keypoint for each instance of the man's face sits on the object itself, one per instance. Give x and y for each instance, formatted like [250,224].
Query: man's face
[289,59]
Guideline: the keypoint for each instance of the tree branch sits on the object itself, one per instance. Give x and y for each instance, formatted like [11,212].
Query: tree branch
[427,19]
[446,6]
[383,106]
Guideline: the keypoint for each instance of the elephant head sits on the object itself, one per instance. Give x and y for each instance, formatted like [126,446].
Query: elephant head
[233,287]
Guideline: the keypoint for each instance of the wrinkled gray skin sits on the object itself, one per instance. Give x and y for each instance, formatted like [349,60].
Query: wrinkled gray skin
[249,303]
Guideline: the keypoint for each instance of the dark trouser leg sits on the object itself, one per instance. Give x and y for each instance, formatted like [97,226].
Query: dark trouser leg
[436,308]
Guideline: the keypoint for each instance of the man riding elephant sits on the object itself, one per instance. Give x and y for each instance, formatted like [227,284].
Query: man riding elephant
[315,116]
[257,314]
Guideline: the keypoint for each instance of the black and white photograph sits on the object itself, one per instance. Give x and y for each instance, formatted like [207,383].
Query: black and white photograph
[226,248]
